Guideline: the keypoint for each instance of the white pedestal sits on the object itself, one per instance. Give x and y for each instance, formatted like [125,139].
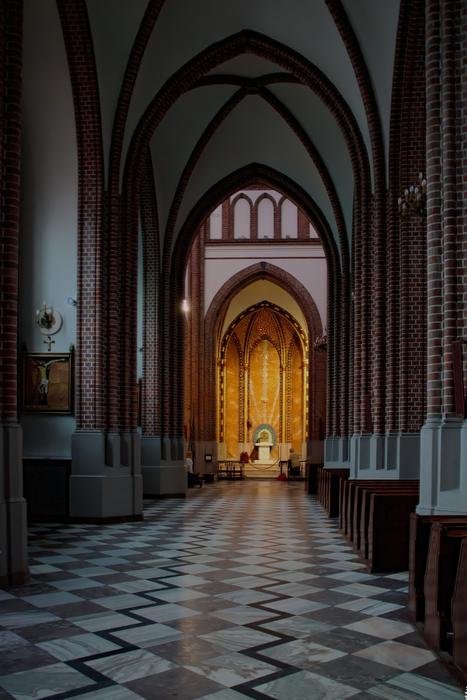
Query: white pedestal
[264,452]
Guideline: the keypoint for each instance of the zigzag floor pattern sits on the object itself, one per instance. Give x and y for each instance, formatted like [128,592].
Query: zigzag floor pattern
[244,589]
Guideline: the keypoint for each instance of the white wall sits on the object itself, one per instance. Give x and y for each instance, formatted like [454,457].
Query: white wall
[258,291]
[48,241]
[306,263]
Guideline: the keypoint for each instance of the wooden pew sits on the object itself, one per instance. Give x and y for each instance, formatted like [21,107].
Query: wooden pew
[360,541]
[459,614]
[311,480]
[354,499]
[440,579]
[419,538]
[343,490]
[388,531]
[328,489]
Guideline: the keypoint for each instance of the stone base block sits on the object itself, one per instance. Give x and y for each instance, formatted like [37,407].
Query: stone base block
[336,451]
[13,542]
[113,496]
[13,512]
[165,480]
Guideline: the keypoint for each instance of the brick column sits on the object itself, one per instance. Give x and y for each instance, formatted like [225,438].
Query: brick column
[462,179]
[452,68]
[406,327]
[151,400]
[201,440]
[444,435]
[160,477]
[170,476]
[13,525]
[104,483]
[449,200]
[433,170]
[344,427]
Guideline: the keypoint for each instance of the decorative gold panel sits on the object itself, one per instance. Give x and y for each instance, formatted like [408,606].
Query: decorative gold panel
[264,387]
[232,400]
[264,375]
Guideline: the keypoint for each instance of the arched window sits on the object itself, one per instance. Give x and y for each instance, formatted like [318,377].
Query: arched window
[265,218]
[289,219]
[313,233]
[242,218]
[215,224]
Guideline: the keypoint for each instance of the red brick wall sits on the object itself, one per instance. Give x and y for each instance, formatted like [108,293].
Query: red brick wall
[446,127]
[10,151]
[461,149]
[411,236]
[151,408]
[91,375]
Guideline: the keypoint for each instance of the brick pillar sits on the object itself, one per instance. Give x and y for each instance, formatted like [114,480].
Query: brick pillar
[357,320]
[449,200]
[462,180]
[171,473]
[365,317]
[201,440]
[444,435]
[329,367]
[103,484]
[406,319]
[13,525]
[451,458]
[344,363]
[156,477]
[433,171]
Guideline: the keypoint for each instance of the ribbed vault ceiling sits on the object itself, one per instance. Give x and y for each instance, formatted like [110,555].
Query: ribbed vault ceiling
[276,117]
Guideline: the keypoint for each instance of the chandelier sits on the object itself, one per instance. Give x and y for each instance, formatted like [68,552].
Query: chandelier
[413,199]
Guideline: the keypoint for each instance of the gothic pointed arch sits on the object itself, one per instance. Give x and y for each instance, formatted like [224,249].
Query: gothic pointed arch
[213,326]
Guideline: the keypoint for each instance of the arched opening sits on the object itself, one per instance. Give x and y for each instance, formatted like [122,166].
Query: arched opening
[254,310]
[262,388]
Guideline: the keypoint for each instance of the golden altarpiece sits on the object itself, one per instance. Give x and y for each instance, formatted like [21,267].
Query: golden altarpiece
[263,386]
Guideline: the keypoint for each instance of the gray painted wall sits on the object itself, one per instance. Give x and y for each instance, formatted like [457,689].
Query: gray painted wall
[49,207]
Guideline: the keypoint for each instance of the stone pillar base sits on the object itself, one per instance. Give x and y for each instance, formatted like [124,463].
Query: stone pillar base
[165,480]
[377,443]
[408,449]
[110,497]
[162,477]
[374,456]
[13,512]
[443,472]
[429,448]
[106,482]
[337,452]
[452,497]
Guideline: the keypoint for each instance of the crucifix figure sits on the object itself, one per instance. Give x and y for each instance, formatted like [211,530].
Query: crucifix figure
[44,373]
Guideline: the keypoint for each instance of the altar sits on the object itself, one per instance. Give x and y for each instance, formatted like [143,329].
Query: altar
[264,442]
[264,452]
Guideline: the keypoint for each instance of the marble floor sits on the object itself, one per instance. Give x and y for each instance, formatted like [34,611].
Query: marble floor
[242,590]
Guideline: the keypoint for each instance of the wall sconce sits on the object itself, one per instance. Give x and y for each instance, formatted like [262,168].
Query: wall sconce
[321,342]
[49,322]
[185,306]
[413,200]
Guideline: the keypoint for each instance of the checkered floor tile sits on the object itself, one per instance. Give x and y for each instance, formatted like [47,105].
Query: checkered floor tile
[242,590]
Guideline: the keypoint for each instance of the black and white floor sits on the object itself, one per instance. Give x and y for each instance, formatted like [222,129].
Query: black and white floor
[244,589]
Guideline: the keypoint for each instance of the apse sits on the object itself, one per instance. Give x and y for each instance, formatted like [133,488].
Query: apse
[255,342]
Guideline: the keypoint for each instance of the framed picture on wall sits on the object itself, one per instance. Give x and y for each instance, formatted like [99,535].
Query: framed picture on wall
[48,382]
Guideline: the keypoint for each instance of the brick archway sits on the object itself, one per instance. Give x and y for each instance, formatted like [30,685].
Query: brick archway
[338,297]
[212,326]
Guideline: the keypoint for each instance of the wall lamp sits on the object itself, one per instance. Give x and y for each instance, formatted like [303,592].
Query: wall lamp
[413,199]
